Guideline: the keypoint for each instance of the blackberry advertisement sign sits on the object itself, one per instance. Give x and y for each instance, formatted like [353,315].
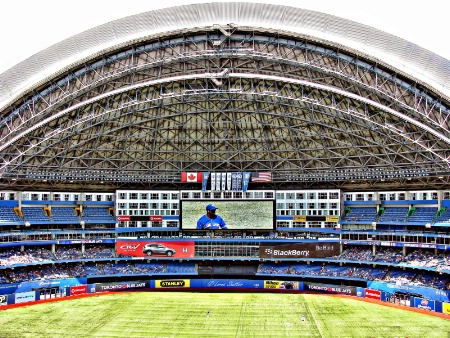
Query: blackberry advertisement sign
[299,250]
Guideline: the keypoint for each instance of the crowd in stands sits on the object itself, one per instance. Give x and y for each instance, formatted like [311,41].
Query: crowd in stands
[99,252]
[384,274]
[274,269]
[13,256]
[148,268]
[419,258]
[383,258]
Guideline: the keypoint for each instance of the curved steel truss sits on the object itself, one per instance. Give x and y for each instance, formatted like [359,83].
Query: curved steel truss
[244,100]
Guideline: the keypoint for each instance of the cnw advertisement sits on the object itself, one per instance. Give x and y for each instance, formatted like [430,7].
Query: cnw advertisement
[185,283]
[147,248]
[299,250]
[270,284]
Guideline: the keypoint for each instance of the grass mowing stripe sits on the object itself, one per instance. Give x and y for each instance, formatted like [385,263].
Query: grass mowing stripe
[311,315]
[183,314]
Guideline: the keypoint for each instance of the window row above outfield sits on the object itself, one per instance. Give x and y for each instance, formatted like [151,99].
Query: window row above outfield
[177,195]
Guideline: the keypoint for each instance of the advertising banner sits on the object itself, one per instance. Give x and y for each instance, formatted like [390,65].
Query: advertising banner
[183,283]
[78,290]
[8,289]
[146,248]
[424,304]
[299,218]
[23,297]
[372,294]
[3,300]
[87,241]
[299,250]
[329,288]
[227,283]
[104,287]
[287,285]
[429,293]
[42,284]
[446,308]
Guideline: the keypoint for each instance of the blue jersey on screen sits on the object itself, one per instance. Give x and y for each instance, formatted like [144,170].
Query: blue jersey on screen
[214,223]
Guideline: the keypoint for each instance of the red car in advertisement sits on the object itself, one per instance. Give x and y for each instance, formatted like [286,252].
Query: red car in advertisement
[146,248]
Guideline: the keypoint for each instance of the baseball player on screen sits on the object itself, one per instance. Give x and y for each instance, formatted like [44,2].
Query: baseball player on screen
[211,221]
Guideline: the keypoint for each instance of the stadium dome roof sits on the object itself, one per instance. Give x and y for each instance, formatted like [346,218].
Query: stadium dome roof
[316,99]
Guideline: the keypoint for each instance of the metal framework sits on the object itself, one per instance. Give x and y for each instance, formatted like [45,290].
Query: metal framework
[227,99]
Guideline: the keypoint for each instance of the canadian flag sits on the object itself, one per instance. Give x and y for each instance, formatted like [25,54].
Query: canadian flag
[191,177]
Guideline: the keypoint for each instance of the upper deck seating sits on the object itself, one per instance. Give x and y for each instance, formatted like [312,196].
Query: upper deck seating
[64,214]
[35,214]
[423,215]
[444,217]
[361,214]
[7,214]
[96,214]
[356,254]
[394,214]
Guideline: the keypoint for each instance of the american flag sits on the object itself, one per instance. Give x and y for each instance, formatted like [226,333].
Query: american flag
[263,176]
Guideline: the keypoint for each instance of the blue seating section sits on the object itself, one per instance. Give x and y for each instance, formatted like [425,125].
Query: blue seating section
[64,214]
[7,214]
[274,269]
[444,218]
[96,215]
[117,269]
[423,215]
[92,269]
[35,215]
[394,214]
[181,268]
[369,273]
[337,271]
[313,269]
[145,268]
[361,214]
[402,276]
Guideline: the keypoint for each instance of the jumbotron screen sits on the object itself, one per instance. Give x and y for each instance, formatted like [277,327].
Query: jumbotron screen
[229,215]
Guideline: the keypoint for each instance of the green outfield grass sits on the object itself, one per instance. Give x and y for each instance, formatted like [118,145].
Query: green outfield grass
[183,314]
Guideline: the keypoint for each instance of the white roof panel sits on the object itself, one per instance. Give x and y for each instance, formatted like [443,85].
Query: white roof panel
[395,52]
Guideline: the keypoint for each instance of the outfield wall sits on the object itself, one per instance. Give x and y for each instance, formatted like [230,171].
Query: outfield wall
[73,287]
